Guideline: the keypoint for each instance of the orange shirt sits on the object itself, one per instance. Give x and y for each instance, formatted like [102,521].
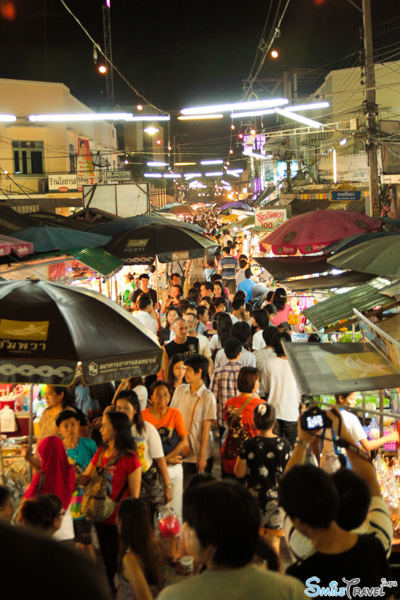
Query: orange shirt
[171,427]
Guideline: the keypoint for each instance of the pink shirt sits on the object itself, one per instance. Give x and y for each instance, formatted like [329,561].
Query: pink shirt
[282,316]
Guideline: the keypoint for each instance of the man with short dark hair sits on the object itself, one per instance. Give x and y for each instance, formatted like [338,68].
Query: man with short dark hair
[222,523]
[144,280]
[361,508]
[207,289]
[198,407]
[242,332]
[228,265]
[342,559]
[247,284]
[181,344]
[237,310]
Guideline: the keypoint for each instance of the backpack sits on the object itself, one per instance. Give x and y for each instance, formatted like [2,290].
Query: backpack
[96,503]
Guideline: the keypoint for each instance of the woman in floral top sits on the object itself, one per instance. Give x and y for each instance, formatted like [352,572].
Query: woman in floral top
[262,461]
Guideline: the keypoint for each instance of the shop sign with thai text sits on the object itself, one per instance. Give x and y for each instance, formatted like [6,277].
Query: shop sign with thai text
[270,219]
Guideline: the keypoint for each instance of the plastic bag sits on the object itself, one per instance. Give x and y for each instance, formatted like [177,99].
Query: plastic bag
[166,522]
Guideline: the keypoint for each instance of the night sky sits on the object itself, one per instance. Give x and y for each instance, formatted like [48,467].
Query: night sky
[181,53]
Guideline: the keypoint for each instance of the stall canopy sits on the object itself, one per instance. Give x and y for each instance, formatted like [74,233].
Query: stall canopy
[17,246]
[337,368]
[379,257]
[340,306]
[325,282]
[47,238]
[99,260]
[12,221]
[283,268]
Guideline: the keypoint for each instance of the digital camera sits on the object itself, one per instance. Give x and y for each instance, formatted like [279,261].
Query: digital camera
[315,418]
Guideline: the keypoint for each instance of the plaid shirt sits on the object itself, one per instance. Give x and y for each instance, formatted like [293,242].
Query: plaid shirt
[224,386]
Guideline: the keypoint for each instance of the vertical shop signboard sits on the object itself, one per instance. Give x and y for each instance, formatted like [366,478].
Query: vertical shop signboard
[85,170]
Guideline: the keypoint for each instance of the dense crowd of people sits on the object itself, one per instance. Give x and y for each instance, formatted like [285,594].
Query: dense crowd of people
[225,386]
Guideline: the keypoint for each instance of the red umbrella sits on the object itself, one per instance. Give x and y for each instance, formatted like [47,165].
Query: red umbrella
[313,231]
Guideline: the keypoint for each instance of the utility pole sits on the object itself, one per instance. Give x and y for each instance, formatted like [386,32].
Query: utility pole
[108,51]
[371,111]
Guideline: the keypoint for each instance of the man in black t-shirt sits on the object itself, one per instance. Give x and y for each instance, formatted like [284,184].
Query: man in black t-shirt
[181,344]
[144,289]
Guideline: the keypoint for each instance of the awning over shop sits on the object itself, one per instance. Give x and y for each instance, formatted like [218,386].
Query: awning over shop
[283,268]
[324,282]
[96,259]
[340,306]
[337,368]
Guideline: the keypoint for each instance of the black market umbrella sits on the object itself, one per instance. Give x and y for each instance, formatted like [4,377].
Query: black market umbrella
[380,256]
[130,223]
[47,238]
[354,240]
[167,242]
[47,328]
[176,208]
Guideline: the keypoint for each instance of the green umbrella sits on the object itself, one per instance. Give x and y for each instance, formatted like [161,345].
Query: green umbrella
[378,257]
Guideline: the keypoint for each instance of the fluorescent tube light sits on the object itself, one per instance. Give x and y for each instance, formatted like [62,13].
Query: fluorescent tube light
[290,115]
[7,118]
[212,162]
[156,163]
[172,175]
[216,108]
[158,175]
[197,117]
[254,113]
[214,174]
[308,106]
[191,175]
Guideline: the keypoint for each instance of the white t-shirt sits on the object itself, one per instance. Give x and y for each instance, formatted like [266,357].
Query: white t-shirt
[204,345]
[331,461]
[261,358]
[142,394]
[146,320]
[248,359]
[215,342]
[148,445]
[278,380]
[258,340]
[66,531]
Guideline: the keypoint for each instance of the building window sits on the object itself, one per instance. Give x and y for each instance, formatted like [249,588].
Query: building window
[72,159]
[28,158]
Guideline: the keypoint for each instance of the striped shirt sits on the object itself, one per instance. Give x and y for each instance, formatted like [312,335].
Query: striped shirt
[224,386]
[228,264]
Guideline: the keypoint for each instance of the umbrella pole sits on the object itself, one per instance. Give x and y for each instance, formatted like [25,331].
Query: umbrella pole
[116,289]
[31,427]
[381,395]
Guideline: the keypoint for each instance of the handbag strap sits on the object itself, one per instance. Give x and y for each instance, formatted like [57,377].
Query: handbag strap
[239,410]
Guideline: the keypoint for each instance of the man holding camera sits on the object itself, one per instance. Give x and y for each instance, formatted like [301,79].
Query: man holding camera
[325,513]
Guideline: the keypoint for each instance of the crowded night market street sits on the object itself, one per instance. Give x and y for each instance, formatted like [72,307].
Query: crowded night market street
[199,300]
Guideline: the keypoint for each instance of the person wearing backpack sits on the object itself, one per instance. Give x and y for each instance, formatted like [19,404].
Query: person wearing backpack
[238,414]
[114,473]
